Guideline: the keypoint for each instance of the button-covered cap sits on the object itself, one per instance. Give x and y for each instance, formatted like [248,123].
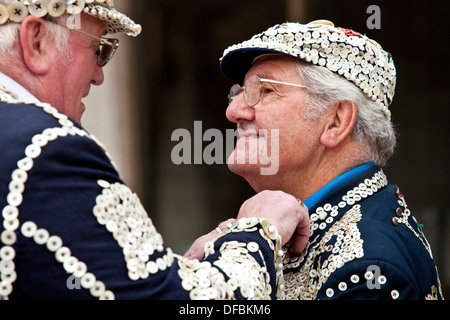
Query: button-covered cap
[348,53]
[16,11]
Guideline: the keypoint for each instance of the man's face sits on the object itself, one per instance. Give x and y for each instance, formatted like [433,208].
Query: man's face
[74,74]
[278,120]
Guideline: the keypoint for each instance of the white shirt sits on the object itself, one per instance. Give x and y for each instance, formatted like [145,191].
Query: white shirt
[23,94]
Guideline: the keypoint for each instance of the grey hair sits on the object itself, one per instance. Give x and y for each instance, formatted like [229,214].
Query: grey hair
[373,131]
[9,35]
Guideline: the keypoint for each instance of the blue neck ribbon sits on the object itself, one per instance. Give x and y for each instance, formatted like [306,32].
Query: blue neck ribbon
[336,183]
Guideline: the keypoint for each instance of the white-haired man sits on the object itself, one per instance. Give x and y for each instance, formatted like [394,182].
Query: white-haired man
[71,228]
[325,91]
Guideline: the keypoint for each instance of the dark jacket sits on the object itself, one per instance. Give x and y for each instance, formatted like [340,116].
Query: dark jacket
[72,229]
[364,244]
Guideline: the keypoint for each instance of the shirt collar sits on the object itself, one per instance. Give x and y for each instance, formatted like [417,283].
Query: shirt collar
[336,183]
[23,94]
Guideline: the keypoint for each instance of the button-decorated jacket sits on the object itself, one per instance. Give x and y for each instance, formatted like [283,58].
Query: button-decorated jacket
[72,229]
[364,244]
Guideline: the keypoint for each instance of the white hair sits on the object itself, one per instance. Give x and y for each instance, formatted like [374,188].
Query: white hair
[373,131]
[9,35]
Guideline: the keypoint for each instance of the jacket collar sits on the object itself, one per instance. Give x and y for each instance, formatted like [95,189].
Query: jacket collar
[15,91]
[344,196]
[313,200]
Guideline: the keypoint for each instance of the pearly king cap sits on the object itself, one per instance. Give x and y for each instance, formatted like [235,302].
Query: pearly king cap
[18,10]
[345,52]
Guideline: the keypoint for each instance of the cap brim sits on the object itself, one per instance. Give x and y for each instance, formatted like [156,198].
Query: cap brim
[117,21]
[236,64]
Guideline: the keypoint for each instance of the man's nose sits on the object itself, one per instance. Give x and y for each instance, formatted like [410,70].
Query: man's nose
[238,110]
[99,76]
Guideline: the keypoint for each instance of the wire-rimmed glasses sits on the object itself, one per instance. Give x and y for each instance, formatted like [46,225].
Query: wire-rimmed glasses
[253,89]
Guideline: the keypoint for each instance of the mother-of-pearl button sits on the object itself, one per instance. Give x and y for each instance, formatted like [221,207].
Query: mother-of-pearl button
[17,11]
[38,8]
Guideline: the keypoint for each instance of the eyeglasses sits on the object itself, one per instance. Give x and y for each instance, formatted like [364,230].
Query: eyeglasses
[253,89]
[106,49]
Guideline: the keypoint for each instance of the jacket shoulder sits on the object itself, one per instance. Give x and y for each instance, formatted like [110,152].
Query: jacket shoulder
[27,117]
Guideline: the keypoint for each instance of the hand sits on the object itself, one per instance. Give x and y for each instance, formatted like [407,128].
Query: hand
[281,209]
[285,212]
[197,250]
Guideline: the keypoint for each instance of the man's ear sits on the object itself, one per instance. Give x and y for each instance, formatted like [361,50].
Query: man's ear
[340,123]
[35,45]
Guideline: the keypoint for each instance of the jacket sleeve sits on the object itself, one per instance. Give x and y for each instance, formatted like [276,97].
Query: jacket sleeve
[73,230]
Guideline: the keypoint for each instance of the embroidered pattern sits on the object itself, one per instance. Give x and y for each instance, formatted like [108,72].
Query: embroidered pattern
[122,213]
[29,229]
[340,244]
[203,281]
[433,295]
[336,240]
[326,214]
[403,217]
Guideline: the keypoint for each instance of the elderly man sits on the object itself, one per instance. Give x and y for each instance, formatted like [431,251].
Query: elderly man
[325,91]
[71,228]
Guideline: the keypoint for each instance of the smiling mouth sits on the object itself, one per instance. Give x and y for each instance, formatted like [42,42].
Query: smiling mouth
[251,133]
[251,136]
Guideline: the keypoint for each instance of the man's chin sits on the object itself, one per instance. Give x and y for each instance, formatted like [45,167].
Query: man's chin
[240,165]
[81,111]
[242,168]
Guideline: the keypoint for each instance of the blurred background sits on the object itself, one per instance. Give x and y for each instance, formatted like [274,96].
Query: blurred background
[169,77]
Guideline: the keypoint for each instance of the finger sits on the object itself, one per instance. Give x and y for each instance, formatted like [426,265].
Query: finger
[301,235]
[298,243]
[223,225]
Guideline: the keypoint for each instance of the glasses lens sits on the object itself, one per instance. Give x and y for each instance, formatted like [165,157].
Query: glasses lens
[106,51]
[234,92]
[252,90]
